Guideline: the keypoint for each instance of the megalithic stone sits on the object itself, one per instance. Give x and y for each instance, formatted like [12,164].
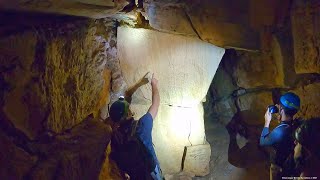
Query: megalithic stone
[184,67]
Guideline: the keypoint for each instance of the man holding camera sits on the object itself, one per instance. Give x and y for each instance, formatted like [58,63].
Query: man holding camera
[280,138]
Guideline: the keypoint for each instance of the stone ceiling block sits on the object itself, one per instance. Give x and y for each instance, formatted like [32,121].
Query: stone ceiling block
[88,8]
[169,19]
[260,69]
[224,26]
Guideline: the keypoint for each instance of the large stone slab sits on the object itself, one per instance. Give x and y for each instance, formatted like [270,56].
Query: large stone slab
[224,23]
[197,159]
[185,68]
[305,20]
[169,19]
[89,8]
[310,98]
[173,129]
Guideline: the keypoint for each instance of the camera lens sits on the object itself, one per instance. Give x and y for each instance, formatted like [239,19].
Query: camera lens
[273,109]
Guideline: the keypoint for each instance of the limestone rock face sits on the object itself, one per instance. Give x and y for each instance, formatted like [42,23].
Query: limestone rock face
[75,71]
[171,19]
[54,79]
[184,67]
[222,77]
[22,105]
[257,101]
[76,154]
[223,23]
[224,110]
[256,69]
[310,98]
[305,19]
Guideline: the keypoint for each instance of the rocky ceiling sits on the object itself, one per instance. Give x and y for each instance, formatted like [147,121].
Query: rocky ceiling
[225,23]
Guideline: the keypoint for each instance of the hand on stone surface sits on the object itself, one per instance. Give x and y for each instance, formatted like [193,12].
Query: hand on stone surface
[267,118]
[145,79]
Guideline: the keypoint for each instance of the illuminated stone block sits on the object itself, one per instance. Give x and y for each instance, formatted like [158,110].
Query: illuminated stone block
[197,159]
[184,67]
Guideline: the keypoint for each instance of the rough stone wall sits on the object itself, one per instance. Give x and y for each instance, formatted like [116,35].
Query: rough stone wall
[53,75]
[253,80]
[247,82]
[306,39]
[56,77]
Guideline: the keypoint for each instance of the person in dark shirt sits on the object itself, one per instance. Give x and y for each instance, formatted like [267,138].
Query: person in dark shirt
[123,124]
[280,138]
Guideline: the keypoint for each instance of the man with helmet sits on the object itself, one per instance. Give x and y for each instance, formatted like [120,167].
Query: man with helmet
[131,142]
[280,138]
[307,149]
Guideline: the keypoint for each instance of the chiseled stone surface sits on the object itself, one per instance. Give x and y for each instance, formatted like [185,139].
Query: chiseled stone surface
[185,68]
[310,98]
[305,20]
[197,159]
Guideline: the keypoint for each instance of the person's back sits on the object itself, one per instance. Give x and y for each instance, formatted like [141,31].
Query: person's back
[280,138]
[130,154]
[282,148]
[131,143]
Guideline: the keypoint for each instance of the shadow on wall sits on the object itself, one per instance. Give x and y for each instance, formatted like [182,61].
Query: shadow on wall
[250,156]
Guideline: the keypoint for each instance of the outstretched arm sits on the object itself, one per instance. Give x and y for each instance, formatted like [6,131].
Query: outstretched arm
[153,110]
[131,90]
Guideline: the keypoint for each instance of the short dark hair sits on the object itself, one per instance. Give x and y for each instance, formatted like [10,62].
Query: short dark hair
[119,110]
[287,111]
[308,135]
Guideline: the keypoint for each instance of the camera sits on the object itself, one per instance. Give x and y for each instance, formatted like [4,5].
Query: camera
[273,109]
